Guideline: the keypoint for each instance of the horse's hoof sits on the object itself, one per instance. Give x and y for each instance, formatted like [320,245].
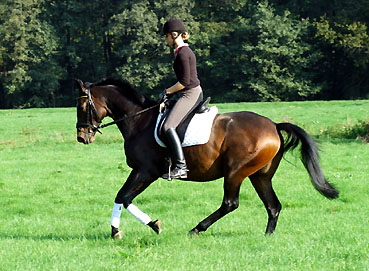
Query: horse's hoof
[118,235]
[156,226]
[194,232]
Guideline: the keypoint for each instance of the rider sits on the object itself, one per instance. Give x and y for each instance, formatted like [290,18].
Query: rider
[189,89]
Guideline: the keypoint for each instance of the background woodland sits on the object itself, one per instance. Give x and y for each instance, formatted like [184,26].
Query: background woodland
[275,50]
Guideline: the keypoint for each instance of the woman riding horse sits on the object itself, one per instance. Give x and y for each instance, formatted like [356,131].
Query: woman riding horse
[188,86]
[241,144]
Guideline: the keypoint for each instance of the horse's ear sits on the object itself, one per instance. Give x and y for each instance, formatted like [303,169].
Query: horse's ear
[81,86]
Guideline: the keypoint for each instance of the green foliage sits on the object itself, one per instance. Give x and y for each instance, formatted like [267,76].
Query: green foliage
[348,47]
[145,58]
[138,42]
[348,130]
[246,50]
[32,75]
[275,59]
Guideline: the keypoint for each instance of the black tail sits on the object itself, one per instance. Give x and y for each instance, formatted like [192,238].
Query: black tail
[309,157]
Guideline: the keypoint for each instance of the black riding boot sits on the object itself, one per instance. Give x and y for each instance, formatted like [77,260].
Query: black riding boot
[179,168]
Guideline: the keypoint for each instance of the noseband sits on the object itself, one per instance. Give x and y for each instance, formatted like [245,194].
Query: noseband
[91,109]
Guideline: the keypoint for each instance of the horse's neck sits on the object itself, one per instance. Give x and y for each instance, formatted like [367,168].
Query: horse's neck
[134,124]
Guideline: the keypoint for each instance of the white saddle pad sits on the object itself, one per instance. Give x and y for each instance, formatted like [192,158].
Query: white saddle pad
[198,130]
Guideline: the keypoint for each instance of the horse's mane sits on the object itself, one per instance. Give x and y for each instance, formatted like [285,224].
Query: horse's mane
[126,89]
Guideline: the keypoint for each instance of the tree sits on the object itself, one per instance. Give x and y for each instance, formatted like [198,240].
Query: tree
[346,63]
[246,50]
[273,60]
[31,76]
[145,59]
[341,36]
[217,45]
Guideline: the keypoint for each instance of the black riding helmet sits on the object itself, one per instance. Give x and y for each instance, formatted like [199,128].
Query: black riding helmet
[174,25]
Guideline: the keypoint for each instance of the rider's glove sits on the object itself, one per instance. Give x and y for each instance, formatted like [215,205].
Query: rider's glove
[163,97]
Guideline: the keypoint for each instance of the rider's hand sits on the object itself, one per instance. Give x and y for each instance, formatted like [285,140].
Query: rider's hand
[163,97]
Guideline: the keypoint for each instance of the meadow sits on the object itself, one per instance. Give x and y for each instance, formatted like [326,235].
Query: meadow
[56,198]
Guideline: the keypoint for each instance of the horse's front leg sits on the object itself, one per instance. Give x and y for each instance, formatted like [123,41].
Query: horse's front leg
[136,183]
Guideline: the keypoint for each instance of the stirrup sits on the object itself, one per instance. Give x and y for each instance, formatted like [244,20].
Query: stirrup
[176,173]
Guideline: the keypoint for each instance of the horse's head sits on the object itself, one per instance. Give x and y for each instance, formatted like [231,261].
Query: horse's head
[90,112]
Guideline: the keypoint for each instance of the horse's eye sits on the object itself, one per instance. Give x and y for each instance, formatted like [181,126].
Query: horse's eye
[79,106]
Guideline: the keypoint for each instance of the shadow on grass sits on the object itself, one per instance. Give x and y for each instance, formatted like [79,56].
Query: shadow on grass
[134,240]
[56,237]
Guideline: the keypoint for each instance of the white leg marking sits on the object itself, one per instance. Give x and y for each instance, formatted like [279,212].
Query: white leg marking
[137,213]
[115,216]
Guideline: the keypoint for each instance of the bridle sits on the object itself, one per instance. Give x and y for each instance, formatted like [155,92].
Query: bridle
[91,109]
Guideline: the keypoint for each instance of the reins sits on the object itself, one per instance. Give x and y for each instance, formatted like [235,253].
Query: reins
[127,117]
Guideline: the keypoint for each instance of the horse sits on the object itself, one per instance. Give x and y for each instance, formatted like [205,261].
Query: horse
[241,144]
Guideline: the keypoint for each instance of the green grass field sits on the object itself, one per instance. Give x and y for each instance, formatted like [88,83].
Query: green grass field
[56,198]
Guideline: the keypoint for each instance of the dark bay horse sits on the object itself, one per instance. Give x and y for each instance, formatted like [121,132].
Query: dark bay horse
[242,144]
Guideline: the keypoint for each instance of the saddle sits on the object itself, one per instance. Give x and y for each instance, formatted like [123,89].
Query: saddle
[203,107]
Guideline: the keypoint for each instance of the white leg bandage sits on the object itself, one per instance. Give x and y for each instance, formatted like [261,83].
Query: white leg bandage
[137,213]
[115,216]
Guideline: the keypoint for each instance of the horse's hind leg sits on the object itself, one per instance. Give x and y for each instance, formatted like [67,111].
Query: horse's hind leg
[263,187]
[229,204]
[262,182]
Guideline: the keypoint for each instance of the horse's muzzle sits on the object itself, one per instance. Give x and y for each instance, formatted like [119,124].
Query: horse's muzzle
[85,138]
